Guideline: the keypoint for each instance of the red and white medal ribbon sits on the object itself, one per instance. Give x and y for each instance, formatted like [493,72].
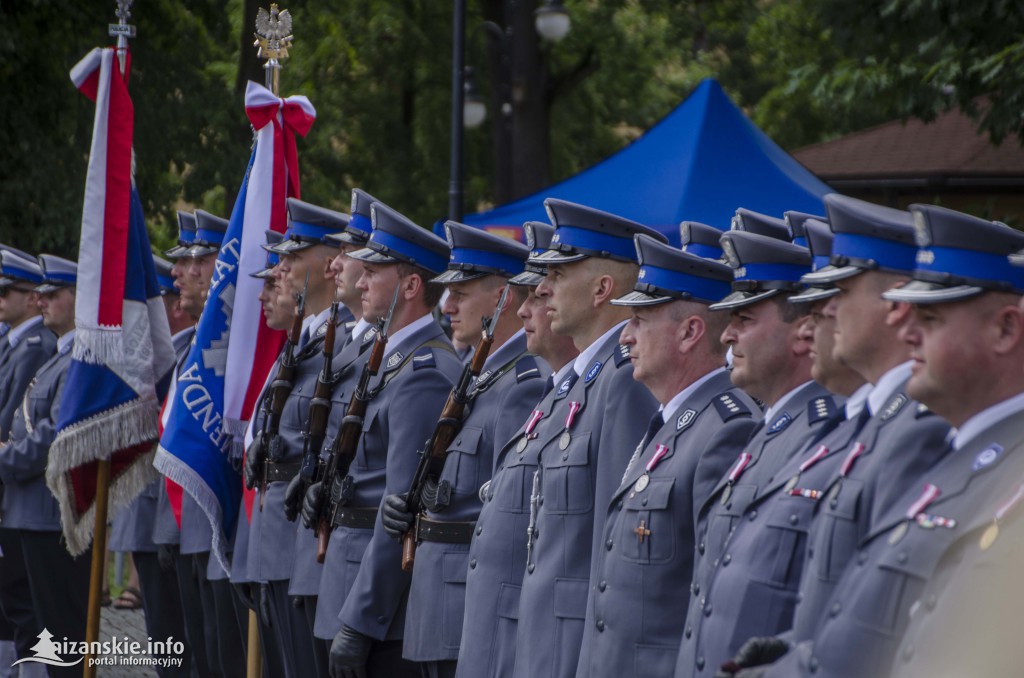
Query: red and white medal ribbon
[533,420]
[1008,506]
[574,409]
[740,466]
[930,494]
[659,453]
[858,449]
[819,454]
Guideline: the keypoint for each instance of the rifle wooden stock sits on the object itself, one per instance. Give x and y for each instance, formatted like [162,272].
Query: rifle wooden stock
[343,451]
[432,460]
[319,406]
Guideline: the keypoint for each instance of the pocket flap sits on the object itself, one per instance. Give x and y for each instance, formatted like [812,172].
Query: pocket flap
[466,441]
[454,566]
[508,601]
[576,454]
[655,496]
[571,598]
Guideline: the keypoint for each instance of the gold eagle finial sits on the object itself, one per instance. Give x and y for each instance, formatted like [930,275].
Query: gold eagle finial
[273,32]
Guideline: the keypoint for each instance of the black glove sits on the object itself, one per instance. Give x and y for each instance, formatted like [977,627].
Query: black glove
[349,652]
[236,456]
[756,652]
[312,505]
[395,515]
[252,471]
[167,556]
[246,593]
[293,496]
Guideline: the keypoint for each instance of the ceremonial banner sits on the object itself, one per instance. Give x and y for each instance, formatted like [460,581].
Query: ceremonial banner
[233,352]
[122,356]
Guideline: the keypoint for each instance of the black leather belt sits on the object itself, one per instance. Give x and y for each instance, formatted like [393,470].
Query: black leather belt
[443,531]
[282,471]
[351,516]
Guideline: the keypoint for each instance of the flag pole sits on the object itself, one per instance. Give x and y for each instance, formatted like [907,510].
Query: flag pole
[273,38]
[122,30]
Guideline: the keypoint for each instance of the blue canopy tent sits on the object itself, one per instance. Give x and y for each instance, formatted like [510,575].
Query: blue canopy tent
[699,163]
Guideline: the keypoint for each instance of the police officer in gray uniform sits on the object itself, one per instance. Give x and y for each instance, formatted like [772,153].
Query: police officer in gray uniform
[963,282]
[305,254]
[363,589]
[750,221]
[27,345]
[797,231]
[499,542]
[59,583]
[133,526]
[872,251]
[700,239]
[586,442]
[633,614]
[510,383]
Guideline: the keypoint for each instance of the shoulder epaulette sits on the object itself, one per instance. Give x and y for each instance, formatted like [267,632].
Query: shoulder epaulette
[527,368]
[820,409]
[423,358]
[729,406]
[893,407]
[621,355]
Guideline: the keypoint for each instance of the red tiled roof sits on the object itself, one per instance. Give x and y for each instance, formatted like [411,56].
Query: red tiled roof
[948,146]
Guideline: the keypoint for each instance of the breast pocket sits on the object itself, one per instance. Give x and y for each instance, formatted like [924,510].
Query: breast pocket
[836,533]
[723,518]
[371,454]
[646,525]
[568,478]
[462,466]
[294,416]
[783,546]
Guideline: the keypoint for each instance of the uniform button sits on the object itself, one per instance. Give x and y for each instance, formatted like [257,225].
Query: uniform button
[700,548]
[753,515]
[902,557]
[609,544]
[793,520]
[602,586]
[644,502]
[459,441]
[540,500]
[700,663]
[620,505]
[530,568]
[695,587]
[836,607]
[600,625]
[834,503]
[688,632]
[707,611]
[727,559]
[729,505]
[565,456]
[479,529]
[472,564]
[813,665]
[382,619]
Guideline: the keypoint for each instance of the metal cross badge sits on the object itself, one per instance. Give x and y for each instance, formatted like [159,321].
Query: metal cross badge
[641,531]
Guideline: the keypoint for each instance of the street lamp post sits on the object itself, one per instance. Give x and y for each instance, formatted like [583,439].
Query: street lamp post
[552,23]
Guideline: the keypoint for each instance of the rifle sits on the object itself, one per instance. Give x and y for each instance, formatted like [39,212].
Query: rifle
[319,408]
[269,443]
[343,450]
[432,458]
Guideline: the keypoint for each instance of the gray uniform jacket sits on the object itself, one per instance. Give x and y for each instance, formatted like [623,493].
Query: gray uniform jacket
[901,441]
[511,382]
[165,527]
[634,618]
[28,503]
[911,544]
[348,356]
[271,535]
[18,364]
[580,469]
[968,620]
[363,577]
[498,548]
[752,589]
[773,444]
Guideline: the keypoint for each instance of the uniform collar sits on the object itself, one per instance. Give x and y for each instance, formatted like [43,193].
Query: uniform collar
[361,326]
[318,320]
[16,333]
[588,355]
[987,418]
[408,330]
[181,334]
[672,405]
[64,342]
[857,400]
[887,385]
[502,354]
[779,405]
